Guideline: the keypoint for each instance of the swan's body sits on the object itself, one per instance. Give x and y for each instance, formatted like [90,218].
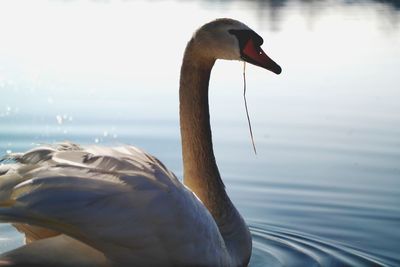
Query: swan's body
[122,207]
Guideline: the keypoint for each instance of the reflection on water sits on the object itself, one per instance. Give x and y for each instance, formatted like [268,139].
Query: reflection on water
[274,11]
[324,189]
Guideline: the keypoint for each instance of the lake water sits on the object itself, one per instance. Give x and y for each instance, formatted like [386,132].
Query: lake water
[324,188]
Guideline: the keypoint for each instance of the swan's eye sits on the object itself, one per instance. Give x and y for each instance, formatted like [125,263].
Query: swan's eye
[244,36]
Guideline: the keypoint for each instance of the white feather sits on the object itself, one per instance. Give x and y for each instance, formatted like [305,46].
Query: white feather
[93,188]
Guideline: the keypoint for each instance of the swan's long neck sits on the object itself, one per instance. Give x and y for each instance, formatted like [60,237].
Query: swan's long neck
[201,173]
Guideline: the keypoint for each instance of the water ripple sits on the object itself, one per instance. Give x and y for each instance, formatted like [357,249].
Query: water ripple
[274,246]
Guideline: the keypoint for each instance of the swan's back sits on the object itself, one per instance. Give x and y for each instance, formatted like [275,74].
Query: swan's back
[121,201]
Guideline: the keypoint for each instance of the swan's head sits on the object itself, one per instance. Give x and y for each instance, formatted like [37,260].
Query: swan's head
[230,39]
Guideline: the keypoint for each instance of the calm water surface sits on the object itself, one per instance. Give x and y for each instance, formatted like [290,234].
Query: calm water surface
[324,188]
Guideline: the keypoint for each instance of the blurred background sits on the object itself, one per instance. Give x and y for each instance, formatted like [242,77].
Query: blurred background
[324,188]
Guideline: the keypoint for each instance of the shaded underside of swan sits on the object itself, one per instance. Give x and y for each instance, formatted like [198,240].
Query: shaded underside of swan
[60,251]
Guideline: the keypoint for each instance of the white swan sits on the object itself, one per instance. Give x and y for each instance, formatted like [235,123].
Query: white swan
[98,206]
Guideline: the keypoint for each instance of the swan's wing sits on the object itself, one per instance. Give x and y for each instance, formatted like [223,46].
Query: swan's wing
[120,201]
[60,251]
[113,165]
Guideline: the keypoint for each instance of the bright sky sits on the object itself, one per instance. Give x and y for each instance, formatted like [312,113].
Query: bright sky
[64,47]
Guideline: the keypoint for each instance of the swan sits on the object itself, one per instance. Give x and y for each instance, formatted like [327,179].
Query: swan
[102,206]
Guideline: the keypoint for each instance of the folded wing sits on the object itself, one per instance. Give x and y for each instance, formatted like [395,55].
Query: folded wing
[120,201]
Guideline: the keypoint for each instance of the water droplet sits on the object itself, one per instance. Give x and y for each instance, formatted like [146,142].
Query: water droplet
[59,119]
[8,151]
[96,140]
[105,134]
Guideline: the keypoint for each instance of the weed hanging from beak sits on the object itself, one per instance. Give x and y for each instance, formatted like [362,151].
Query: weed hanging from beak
[245,105]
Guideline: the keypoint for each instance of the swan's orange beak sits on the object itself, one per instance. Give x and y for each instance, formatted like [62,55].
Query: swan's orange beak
[255,55]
